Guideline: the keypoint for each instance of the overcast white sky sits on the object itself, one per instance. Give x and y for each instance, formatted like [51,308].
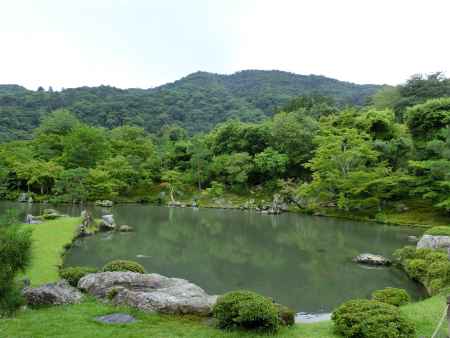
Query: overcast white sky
[144,43]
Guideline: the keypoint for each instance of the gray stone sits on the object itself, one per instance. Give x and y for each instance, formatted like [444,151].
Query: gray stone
[371,259]
[125,228]
[413,239]
[30,219]
[149,292]
[434,242]
[59,293]
[116,318]
[23,198]
[104,203]
[107,223]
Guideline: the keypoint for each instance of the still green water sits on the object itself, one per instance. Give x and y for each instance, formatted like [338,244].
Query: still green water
[298,260]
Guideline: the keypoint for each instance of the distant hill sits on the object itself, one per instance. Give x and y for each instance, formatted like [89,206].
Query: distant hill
[197,102]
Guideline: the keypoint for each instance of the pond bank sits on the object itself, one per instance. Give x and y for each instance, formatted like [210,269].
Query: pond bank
[76,320]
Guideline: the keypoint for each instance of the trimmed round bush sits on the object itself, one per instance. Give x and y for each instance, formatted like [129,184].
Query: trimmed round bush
[286,315]
[416,268]
[439,270]
[422,253]
[362,318]
[393,296]
[73,274]
[436,256]
[408,252]
[123,265]
[435,285]
[246,310]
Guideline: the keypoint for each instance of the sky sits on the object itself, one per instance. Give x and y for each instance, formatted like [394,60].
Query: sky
[146,43]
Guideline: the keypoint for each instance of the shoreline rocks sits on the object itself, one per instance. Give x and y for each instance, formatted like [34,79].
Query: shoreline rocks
[434,242]
[371,259]
[59,293]
[149,292]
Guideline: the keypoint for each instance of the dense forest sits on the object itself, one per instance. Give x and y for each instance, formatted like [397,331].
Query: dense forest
[197,102]
[314,151]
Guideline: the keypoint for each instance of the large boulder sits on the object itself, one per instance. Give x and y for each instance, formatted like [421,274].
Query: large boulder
[107,223]
[59,293]
[434,242]
[149,292]
[371,259]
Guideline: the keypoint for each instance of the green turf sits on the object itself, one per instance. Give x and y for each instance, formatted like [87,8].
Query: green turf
[49,238]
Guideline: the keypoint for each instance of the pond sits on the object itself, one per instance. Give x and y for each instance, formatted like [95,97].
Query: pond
[298,260]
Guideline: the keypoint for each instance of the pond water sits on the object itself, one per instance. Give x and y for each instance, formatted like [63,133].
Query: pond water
[298,260]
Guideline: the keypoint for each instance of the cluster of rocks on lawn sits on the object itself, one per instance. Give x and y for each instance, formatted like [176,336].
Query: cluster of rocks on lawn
[146,292]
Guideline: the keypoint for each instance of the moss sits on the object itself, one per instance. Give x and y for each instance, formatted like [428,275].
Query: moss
[75,273]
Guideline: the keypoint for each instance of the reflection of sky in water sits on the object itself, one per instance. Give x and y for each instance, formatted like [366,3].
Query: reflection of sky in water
[301,261]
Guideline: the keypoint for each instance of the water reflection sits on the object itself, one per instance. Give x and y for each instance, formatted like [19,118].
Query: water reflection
[300,261]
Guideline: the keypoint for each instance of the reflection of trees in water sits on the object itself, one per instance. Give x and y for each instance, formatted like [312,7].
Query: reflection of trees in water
[297,260]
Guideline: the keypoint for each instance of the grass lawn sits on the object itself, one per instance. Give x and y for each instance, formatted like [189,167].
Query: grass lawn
[49,238]
[77,320]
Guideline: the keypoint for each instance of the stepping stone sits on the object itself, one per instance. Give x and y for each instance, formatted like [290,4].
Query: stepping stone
[116,318]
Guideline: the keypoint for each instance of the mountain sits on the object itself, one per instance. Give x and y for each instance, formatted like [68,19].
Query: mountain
[197,102]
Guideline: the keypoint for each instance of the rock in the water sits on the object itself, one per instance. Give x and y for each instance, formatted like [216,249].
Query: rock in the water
[23,198]
[116,318]
[104,203]
[149,292]
[107,223]
[125,228]
[413,239]
[59,293]
[434,242]
[371,259]
[30,219]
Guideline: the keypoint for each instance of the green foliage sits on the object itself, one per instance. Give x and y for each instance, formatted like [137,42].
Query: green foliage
[15,257]
[123,265]
[392,296]
[75,273]
[286,315]
[369,318]
[246,310]
[416,268]
[439,231]
[405,253]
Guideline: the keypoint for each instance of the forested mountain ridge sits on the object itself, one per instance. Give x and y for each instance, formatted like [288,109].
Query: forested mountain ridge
[196,102]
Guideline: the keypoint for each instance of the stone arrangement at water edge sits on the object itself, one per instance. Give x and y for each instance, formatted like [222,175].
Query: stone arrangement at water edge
[149,292]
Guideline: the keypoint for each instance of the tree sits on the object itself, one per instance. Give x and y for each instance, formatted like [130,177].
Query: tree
[173,179]
[345,164]
[15,257]
[270,163]
[85,147]
[71,185]
[232,169]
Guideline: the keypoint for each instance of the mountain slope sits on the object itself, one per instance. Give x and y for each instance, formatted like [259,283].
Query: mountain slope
[197,102]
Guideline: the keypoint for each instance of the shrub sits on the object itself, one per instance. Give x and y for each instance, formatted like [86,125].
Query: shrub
[360,318]
[439,270]
[422,253]
[392,296]
[416,268]
[246,310]
[15,256]
[439,231]
[286,315]
[75,273]
[435,285]
[436,256]
[408,252]
[123,265]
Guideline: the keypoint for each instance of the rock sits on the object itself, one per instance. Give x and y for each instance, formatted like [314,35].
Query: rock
[50,214]
[30,199]
[174,204]
[30,219]
[371,259]
[23,198]
[116,318]
[104,203]
[413,239]
[125,228]
[149,292]
[434,242]
[59,293]
[107,223]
